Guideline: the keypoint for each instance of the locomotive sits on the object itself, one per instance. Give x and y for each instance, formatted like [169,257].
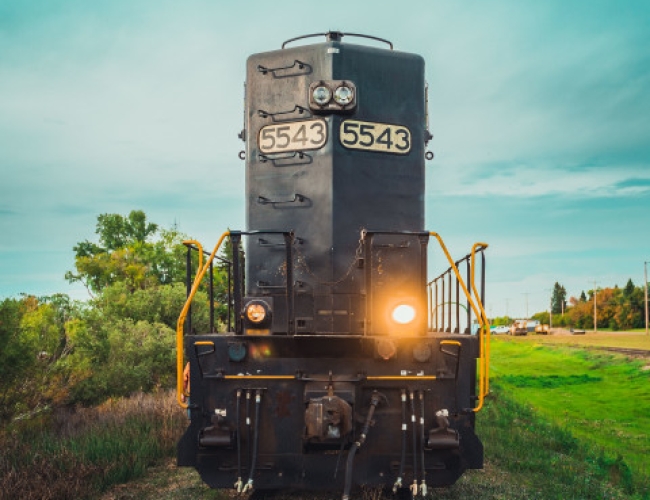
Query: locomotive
[344,366]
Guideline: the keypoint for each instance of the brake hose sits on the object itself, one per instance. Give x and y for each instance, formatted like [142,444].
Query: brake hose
[414,486]
[398,482]
[249,483]
[423,486]
[374,401]
[238,484]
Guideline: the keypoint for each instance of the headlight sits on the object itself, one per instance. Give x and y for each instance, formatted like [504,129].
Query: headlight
[343,95]
[403,314]
[256,313]
[322,95]
[332,96]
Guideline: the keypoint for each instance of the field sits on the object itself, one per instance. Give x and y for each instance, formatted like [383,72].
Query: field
[637,340]
[600,397]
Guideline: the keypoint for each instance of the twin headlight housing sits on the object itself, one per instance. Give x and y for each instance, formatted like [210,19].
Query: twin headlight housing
[332,95]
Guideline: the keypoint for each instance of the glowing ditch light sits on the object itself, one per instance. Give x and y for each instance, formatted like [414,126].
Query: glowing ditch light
[256,313]
[403,314]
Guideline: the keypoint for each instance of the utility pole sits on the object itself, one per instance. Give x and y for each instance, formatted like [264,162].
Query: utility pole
[645,289]
[526,294]
[550,314]
[595,311]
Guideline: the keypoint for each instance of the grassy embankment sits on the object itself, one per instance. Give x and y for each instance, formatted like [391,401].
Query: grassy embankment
[600,399]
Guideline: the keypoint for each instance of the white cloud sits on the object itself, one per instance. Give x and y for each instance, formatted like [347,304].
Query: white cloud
[525,181]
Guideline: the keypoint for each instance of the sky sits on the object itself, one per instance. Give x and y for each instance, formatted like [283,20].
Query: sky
[540,113]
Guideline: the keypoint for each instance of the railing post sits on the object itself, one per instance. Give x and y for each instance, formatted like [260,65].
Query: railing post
[442,303]
[229,296]
[435,311]
[211,295]
[235,240]
[483,277]
[457,329]
[188,287]
[449,302]
[469,288]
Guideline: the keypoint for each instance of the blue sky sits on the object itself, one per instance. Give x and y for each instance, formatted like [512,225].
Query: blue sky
[540,112]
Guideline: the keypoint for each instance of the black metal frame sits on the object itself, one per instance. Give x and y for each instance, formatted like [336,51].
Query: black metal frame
[188,284]
[235,239]
[438,321]
[435,289]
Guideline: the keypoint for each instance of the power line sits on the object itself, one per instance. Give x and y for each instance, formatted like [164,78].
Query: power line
[645,289]
[595,310]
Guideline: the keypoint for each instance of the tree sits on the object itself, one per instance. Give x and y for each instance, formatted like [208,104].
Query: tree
[15,353]
[558,299]
[502,321]
[33,342]
[57,352]
[125,254]
[583,296]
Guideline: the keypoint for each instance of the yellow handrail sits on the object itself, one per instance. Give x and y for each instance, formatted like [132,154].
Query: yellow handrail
[484,336]
[480,316]
[181,319]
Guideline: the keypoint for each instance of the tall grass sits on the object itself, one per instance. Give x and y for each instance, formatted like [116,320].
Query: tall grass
[81,453]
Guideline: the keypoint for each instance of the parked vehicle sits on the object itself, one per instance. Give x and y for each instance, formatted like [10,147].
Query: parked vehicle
[542,329]
[519,327]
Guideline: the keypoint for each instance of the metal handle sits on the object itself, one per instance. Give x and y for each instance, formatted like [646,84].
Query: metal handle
[297,198]
[303,66]
[284,159]
[265,114]
[266,243]
[335,36]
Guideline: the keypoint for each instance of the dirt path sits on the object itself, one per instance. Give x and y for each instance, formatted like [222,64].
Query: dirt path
[167,482]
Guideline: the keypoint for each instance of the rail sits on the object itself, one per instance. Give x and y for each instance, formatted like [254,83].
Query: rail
[180,391]
[479,311]
[195,246]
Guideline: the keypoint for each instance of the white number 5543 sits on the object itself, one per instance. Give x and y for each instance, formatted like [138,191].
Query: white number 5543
[379,137]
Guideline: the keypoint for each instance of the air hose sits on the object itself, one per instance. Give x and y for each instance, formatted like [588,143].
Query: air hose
[423,485]
[374,401]
[238,485]
[249,431]
[398,482]
[414,486]
[249,483]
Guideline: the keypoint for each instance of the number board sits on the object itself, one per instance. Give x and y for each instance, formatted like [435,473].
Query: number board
[293,136]
[380,137]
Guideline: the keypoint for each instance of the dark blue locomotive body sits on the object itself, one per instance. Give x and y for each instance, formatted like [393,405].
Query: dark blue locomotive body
[341,369]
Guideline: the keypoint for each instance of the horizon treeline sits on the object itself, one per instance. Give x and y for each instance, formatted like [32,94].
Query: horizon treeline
[616,308]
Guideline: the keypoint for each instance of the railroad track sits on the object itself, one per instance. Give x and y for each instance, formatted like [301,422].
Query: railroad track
[641,353]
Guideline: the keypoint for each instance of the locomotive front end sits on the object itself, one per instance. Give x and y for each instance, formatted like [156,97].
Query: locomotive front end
[340,369]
